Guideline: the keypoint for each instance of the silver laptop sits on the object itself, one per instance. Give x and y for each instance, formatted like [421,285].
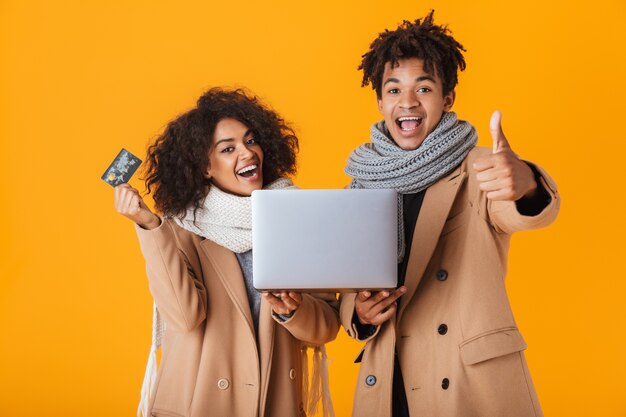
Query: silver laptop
[324,240]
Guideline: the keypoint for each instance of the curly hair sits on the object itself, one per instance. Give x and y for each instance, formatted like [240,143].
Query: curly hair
[421,39]
[178,159]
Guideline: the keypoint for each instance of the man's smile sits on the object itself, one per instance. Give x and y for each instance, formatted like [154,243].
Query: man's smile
[409,123]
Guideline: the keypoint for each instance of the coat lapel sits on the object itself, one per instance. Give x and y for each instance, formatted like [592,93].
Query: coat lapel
[227,267]
[267,327]
[435,208]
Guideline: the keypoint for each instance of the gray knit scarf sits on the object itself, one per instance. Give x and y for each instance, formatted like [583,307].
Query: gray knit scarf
[383,164]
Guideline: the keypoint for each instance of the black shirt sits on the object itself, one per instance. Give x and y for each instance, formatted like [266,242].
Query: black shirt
[411,206]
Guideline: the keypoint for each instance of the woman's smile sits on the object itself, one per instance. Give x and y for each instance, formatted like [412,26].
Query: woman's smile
[235,158]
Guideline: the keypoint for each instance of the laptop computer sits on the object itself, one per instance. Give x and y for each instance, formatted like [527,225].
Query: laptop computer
[324,240]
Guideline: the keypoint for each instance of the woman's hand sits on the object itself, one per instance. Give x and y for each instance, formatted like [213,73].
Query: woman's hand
[129,204]
[285,302]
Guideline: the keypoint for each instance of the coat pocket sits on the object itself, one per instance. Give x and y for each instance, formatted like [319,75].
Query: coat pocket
[164,413]
[491,345]
[455,221]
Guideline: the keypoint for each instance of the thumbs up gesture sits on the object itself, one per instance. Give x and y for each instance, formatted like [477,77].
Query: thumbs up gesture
[502,175]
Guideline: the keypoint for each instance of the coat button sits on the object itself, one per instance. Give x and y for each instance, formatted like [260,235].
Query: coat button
[443,329]
[223,383]
[445,383]
[442,275]
[292,374]
[370,380]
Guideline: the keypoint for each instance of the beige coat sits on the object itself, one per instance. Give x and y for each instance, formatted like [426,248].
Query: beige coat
[211,362]
[455,277]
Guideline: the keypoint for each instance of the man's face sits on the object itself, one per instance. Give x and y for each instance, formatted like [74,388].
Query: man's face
[412,102]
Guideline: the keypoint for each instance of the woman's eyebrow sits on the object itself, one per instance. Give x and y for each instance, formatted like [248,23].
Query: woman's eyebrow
[224,140]
[245,135]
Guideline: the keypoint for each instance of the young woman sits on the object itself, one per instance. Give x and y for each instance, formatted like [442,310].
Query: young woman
[227,349]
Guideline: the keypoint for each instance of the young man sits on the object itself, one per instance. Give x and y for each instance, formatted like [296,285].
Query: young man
[444,343]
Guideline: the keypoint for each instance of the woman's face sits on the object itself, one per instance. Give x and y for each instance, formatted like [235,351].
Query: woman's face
[235,159]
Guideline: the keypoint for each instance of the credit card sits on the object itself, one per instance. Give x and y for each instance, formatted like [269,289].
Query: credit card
[121,169]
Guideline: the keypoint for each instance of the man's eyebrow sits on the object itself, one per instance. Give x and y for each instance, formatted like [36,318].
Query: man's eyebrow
[391,80]
[418,79]
[425,78]
[245,135]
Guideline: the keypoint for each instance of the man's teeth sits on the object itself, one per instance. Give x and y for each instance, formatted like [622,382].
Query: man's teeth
[246,169]
[409,122]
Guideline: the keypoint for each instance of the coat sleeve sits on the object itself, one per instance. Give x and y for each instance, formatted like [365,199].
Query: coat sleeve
[316,321]
[505,217]
[178,290]
[346,312]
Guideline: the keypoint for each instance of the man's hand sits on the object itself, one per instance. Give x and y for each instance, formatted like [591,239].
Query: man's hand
[502,175]
[284,303]
[129,203]
[376,308]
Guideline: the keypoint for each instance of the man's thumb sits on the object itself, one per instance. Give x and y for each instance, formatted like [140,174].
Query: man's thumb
[495,126]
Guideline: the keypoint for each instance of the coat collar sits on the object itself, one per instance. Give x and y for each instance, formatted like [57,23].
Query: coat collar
[435,208]
[227,268]
[267,327]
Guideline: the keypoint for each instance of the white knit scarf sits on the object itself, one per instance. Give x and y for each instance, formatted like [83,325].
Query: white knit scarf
[225,218]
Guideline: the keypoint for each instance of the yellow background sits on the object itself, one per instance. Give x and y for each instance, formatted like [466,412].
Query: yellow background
[81,79]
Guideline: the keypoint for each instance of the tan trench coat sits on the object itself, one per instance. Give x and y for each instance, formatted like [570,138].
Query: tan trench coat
[211,362]
[473,366]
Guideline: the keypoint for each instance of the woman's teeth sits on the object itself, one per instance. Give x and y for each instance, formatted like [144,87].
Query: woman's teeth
[409,123]
[247,171]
